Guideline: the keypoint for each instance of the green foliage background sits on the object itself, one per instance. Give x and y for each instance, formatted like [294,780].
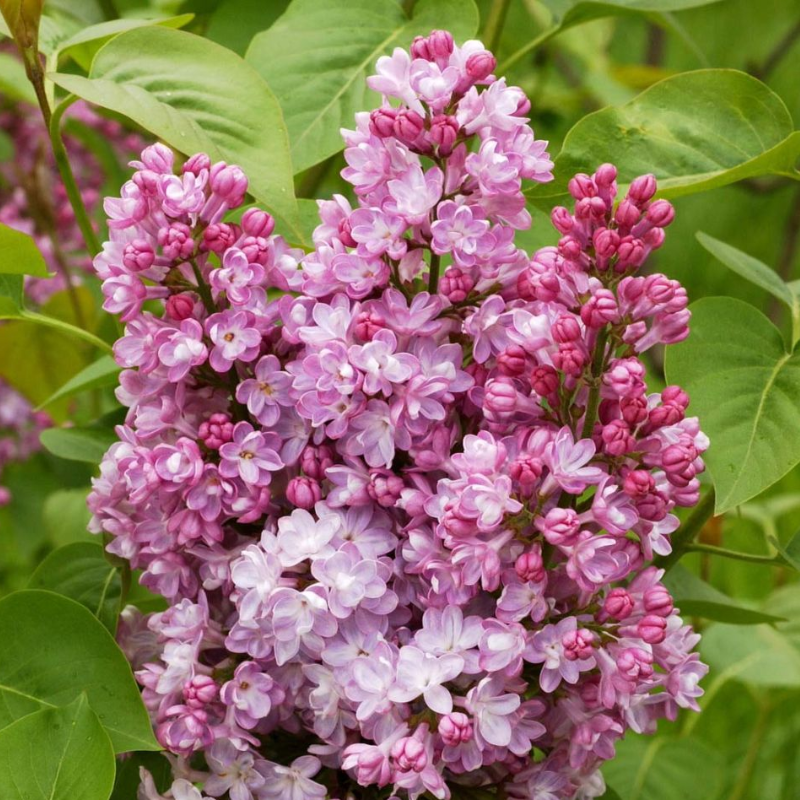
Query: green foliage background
[285,96]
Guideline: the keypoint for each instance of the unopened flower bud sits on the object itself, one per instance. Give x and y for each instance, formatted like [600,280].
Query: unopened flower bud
[657,600]
[652,629]
[529,565]
[180,306]
[256,222]
[455,728]
[618,604]
[642,189]
[481,65]
[303,492]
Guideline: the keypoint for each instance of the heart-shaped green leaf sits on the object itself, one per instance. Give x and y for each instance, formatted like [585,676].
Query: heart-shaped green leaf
[53,650]
[695,131]
[57,754]
[745,388]
[317,55]
[81,572]
[197,97]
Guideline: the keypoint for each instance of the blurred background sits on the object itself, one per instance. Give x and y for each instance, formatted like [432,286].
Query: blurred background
[744,746]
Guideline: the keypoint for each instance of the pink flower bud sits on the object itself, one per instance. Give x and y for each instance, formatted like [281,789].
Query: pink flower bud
[526,470]
[652,506]
[529,565]
[578,644]
[229,183]
[5,496]
[384,487]
[545,380]
[455,285]
[315,461]
[435,47]
[480,65]
[635,663]
[658,601]
[570,359]
[582,186]
[256,222]
[138,255]
[617,438]
[562,220]
[455,728]
[512,361]
[501,396]
[199,691]
[642,189]
[600,309]
[631,253]
[196,164]
[216,431]
[661,213]
[675,395]
[218,237]
[652,629]
[381,122]
[605,242]
[303,492]
[443,133]
[560,526]
[409,754]
[637,483]
[605,175]
[408,126]
[176,241]
[566,328]
[627,215]
[345,233]
[180,306]
[633,409]
[618,604]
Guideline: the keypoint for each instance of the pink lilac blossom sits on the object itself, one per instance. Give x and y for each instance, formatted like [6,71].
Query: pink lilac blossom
[404,517]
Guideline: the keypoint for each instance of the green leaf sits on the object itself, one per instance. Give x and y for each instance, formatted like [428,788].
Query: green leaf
[694,597]
[78,444]
[81,572]
[10,296]
[317,56]
[745,388]
[695,131]
[54,649]
[14,83]
[83,46]
[57,754]
[19,254]
[567,13]
[225,26]
[759,656]
[756,272]
[648,768]
[101,373]
[197,97]
[66,517]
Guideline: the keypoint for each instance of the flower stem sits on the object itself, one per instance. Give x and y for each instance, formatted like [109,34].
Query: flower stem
[495,20]
[686,534]
[68,178]
[594,392]
[433,273]
[724,552]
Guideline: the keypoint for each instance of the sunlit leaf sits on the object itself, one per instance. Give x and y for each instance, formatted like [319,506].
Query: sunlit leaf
[695,131]
[317,56]
[197,97]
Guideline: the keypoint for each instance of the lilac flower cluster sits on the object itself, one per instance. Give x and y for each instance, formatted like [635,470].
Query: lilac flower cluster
[35,202]
[401,493]
[20,427]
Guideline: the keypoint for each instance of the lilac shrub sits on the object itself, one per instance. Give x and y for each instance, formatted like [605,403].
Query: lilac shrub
[402,493]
